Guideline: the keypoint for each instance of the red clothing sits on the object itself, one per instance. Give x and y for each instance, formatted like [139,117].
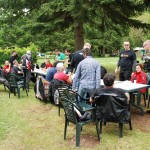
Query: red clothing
[61,76]
[47,66]
[5,69]
[140,77]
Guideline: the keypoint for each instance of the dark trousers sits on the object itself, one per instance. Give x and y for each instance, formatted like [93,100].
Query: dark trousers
[125,75]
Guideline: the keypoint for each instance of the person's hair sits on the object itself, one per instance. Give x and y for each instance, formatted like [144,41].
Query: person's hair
[140,65]
[87,45]
[56,50]
[13,52]
[67,50]
[60,66]
[87,51]
[147,42]
[109,79]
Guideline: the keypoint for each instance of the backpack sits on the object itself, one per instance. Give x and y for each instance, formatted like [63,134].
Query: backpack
[41,88]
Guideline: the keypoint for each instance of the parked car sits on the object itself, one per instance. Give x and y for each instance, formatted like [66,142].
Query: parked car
[40,54]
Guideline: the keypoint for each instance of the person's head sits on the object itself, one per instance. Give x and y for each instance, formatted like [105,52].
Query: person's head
[6,63]
[109,79]
[126,45]
[47,61]
[60,67]
[67,52]
[146,45]
[28,52]
[57,51]
[87,45]
[14,53]
[139,67]
[87,52]
[15,62]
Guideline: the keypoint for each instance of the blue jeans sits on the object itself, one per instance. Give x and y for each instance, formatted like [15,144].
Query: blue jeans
[84,91]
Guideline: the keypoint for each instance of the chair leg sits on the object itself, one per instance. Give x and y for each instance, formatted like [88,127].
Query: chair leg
[101,122]
[18,91]
[27,92]
[78,131]
[148,102]
[130,125]
[98,133]
[144,96]
[120,129]
[65,129]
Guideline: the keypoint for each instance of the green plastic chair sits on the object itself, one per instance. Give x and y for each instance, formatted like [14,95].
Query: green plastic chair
[15,83]
[71,116]
[65,92]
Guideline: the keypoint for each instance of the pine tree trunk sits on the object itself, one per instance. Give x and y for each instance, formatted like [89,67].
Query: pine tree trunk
[79,36]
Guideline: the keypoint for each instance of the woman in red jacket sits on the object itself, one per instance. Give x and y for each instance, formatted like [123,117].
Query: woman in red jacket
[139,77]
[7,67]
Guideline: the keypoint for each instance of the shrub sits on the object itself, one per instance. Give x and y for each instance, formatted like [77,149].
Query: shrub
[6,53]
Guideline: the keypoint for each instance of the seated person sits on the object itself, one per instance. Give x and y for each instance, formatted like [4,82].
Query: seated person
[50,73]
[7,67]
[16,68]
[48,64]
[2,78]
[60,75]
[139,77]
[109,79]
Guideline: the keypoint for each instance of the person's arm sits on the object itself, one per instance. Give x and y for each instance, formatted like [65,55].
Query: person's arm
[134,65]
[128,96]
[134,62]
[69,80]
[76,79]
[98,76]
[117,67]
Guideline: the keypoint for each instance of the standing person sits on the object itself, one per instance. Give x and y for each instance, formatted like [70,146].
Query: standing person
[78,57]
[60,57]
[146,46]
[70,55]
[87,75]
[126,62]
[13,57]
[27,65]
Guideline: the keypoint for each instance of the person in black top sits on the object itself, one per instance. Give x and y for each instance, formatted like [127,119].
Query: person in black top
[78,57]
[109,79]
[126,62]
[13,57]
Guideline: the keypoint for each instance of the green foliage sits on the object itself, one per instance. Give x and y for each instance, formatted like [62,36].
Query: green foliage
[6,53]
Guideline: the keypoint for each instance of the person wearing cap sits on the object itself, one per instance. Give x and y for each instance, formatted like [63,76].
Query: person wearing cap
[27,65]
[78,57]
[60,75]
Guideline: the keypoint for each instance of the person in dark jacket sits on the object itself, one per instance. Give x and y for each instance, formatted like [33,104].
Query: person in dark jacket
[109,79]
[78,57]
[13,57]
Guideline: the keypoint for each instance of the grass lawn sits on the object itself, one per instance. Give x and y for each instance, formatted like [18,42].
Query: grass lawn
[30,124]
